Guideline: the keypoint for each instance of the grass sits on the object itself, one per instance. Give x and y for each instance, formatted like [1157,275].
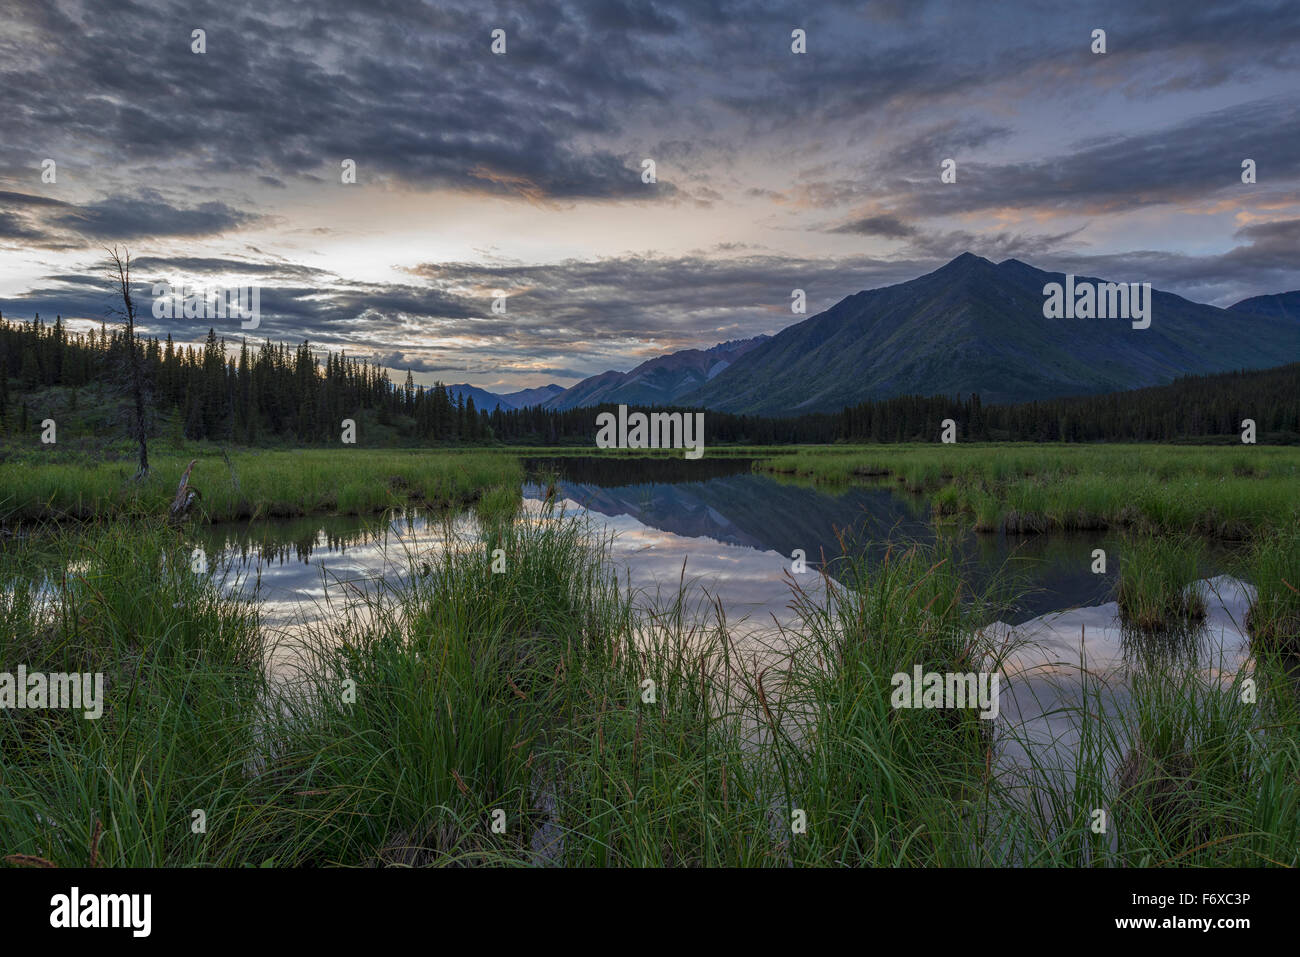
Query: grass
[1188,771]
[544,715]
[884,786]
[253,484]
[455,677]
[1219,492]
[183,678]
[1158,581]
[1274,567]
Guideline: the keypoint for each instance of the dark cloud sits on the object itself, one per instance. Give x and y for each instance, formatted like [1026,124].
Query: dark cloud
[1190,161]
[606,305]
[615,312]
[27,200]
[148,215]
[415,363]
[16,226]
[190,265]
[55,223]
[890,227]
[411,90]
[1266,262]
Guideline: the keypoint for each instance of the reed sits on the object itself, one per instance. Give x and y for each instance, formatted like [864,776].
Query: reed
[253,484]
[1273,565]
[1024,488]
[1158,578]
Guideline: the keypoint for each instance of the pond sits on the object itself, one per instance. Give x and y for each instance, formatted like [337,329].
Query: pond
[730,535]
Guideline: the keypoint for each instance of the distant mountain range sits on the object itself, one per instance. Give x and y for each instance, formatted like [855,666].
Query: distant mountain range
[970,326]
[483,399]
[660,381]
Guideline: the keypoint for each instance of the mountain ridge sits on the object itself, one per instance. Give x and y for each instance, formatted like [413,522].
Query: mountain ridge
[662,380]
[976,326]
[970,326]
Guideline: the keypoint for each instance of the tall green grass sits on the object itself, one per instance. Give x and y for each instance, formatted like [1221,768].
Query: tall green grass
[884,786]
[1214,491]
[1184,769]
[1158,577]
[183,685]
[1274,566]
[253,484]
[455,676]
[545,715]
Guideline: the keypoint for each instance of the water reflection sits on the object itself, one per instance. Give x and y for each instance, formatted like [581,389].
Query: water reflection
[307,573]
[1086,658]
[721,502]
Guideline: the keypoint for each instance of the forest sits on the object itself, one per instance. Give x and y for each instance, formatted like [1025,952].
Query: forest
[271,393]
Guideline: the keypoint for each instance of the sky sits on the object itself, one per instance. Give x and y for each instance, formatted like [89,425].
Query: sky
[521,173]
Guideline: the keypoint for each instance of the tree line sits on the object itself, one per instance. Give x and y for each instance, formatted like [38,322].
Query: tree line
[1187,408]
[271,392]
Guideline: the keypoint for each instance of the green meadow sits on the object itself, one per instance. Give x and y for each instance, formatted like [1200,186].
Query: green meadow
[251,484]
[1216,491]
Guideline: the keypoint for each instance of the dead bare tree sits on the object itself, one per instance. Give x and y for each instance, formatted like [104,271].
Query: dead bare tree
[186,494]
[120,274]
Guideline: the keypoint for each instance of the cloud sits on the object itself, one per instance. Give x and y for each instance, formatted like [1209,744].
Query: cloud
[1265,263]
[890,227]
[1189,161]
[574,318]
[148,215]
[778,166]
[56,223]
[414,94]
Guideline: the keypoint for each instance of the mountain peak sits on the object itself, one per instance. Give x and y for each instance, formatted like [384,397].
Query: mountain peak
[964,263]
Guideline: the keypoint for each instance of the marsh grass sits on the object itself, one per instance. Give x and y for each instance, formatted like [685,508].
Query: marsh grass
[1180,769]
[1274,566]
[432,706]
[1158,578]
[182,672]
[1030,488]
[885,786]
[254,484]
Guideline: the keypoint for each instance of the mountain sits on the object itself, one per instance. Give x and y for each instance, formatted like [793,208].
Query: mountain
[660,381]
[977,326]
[483,399]
[528,397]
[1282,304]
